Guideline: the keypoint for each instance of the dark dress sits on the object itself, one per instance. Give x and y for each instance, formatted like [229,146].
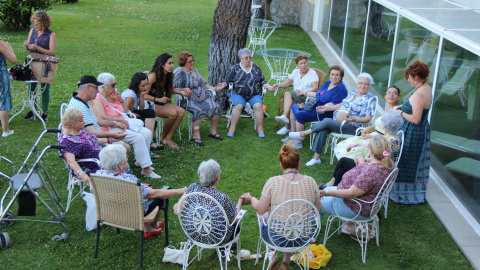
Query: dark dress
[199,103]
[414,166]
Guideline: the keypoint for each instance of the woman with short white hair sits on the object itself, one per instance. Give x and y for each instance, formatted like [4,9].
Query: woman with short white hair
[113,159]
[209,174]
[109,105]
[247,80]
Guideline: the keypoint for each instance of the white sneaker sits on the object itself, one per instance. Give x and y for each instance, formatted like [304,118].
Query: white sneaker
[152,175]
[282,119]
[283,131]
[6,134]
[286,139]
[296,136]
[297,145]
[313,162]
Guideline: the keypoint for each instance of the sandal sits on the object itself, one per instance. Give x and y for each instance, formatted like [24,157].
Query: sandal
[156,147]
[153,155]
[216,136]
[198,141]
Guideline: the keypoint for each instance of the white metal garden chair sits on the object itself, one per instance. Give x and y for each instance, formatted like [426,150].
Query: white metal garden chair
[333,137]
[73,180]
[362,228]
[292,226]
[248,109]
[206,225]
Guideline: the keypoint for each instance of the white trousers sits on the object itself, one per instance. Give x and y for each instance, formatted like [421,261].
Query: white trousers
[141,144]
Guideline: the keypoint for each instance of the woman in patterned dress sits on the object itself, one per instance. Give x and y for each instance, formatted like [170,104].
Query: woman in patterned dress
[6,52]
[79,144]
[248,80]
[414,166]
[199,103]
[41,40]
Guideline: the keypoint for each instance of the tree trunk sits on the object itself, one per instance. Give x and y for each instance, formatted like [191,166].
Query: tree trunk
[229,34]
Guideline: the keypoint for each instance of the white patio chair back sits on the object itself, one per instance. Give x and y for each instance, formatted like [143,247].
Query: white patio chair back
[206,225]
[292,226]
[411,36]
[401,137]
[362,227]
[456,84]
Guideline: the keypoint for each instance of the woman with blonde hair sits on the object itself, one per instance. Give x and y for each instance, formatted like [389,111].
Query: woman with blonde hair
[278,189]
[362,182]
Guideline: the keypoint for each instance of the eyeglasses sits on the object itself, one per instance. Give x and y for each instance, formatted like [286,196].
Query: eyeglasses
[366,84]
[94,86]
[191,61]
[35,22]
[113,85]
[247,57]
[391,93]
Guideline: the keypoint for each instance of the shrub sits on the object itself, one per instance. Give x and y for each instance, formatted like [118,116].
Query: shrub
[16,14]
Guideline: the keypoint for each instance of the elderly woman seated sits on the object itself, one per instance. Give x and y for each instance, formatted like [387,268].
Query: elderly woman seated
[391,122]
[278,189]
[363,182]
[199,103]
[109,105]
[113,158]
[247,80]
[209,174]
[356,109]
[79,144]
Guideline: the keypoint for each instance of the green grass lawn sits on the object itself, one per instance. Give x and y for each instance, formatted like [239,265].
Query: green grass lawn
[125,36]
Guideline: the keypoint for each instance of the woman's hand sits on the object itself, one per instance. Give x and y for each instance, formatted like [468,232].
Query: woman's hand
[275,86]
[351,146]
[351,119]
[32,47]
[25,44]
[301,93]
[269,87]
[217,88]
[85,179]
[187,92]
[320,109]
[162,100]
[359,160]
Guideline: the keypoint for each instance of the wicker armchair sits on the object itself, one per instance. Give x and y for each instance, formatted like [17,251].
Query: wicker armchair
[119,204]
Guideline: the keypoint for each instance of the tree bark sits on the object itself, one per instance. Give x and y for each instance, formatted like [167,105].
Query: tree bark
[229,34]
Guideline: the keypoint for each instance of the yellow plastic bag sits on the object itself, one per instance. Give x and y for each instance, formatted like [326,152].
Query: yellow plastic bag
[318,256]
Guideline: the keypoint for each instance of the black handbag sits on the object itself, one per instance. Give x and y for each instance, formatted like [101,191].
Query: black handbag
[21,73]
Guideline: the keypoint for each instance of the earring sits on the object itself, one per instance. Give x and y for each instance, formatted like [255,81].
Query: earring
[415,82]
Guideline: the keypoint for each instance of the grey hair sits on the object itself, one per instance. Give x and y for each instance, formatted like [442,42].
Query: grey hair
[366,76]
[112,155]
[242,52]
[392,121]
[104,78]
[207,172]
[82,88]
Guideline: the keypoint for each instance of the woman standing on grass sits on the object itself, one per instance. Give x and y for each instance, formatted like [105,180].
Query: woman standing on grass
[6,52]
[41,40]
[160,81]
[414,166]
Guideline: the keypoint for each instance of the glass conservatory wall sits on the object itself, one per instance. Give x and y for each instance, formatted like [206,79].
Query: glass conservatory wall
[337,24]
[455,125]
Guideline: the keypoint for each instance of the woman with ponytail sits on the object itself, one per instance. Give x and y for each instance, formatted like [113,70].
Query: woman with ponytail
[278,189]
[363,182]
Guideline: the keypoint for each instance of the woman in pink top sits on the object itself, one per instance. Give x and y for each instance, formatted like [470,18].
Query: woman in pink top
[107,106]
[278,189]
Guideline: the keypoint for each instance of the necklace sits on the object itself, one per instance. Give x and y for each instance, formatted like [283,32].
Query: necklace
[294,174]
[420,85]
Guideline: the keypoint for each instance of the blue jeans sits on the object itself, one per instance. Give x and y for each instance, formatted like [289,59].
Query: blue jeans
[341,208]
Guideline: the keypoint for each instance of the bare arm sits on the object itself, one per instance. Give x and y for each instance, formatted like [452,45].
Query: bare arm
[260,206]
[287,83]
[7,51]
[108,121]
[351,193]
[102,134]
[72,163]
[164,193]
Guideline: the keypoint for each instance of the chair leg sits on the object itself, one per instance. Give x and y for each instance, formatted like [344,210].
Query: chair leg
[97,240]
[141,249]
[165,215]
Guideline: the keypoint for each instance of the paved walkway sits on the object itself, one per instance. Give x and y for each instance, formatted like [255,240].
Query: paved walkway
[466,238]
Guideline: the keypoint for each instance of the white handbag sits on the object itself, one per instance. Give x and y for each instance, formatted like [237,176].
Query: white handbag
[173,255]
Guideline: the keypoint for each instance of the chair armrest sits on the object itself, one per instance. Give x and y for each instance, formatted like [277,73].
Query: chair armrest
[238,221]
[357,201]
